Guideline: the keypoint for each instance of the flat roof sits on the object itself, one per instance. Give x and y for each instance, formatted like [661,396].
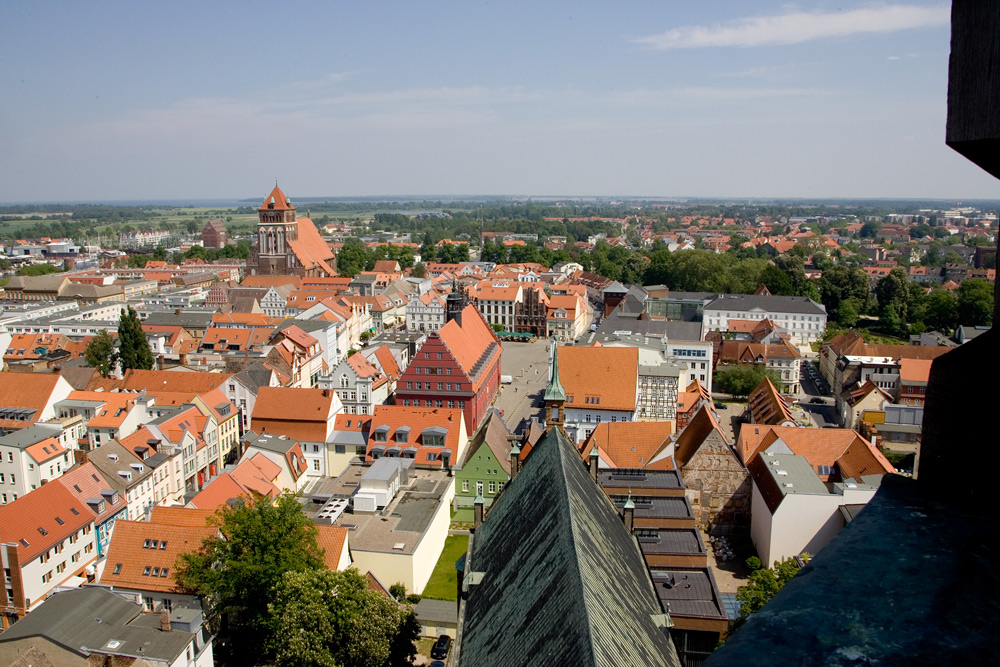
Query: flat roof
[688,592]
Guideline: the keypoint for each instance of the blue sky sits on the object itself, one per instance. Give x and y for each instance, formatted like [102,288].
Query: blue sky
[135,100]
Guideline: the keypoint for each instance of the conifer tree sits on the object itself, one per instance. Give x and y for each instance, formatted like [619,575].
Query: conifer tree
[133,348]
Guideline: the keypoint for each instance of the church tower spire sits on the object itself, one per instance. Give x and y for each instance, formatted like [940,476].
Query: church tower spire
[554,396]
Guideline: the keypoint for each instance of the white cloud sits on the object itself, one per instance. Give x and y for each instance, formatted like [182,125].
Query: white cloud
[797,27]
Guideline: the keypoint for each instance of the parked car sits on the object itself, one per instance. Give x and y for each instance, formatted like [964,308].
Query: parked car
[720,406]
[816,399]
[441,647]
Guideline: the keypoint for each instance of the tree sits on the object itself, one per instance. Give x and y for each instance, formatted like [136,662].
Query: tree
[354,258]
[741,380]
[848,313]
[763,584]
[419,270]
[975,302]
[133,348]
[894,289]
[327,619]
[238,572]
[100,353]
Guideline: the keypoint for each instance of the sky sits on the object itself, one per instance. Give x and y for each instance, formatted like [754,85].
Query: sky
[111,101]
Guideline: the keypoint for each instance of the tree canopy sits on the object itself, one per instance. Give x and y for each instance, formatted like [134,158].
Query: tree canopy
[740,380]
[763,584]
[239,571]
[133,348]
[100,353]
[332,619]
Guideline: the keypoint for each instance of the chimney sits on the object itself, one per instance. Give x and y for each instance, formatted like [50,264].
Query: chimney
[178,311]
[326,393]
[479,505]
[515,461]
[629,513]
[594,458]
[165,621]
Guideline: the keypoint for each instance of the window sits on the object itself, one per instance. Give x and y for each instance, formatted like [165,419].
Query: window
[465,486]
[479,488]
[315,465]
[493,487]
[118,568]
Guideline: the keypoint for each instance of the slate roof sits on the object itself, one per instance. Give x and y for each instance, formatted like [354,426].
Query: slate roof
[569,586]
[769,303]
[87,619]
[495,434]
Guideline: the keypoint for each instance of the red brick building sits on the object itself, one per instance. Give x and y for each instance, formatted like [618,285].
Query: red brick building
[214,235]
[458,366]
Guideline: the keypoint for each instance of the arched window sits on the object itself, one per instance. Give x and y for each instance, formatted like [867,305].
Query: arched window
[343,380]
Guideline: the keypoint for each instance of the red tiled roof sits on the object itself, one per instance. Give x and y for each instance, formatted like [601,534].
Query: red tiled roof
[915,370]
[280,201]
[141,551]
[331,540]
[30,390]
[297,413]
[600,378]
[468,342]
[694,434]
[628,444]
[39,520]
[388,362]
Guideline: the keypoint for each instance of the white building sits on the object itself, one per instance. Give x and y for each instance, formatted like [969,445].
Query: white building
[47,539]
[800,316]
[29,458]
[425,312]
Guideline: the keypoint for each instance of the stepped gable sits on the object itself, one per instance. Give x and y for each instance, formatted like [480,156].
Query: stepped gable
[560,580]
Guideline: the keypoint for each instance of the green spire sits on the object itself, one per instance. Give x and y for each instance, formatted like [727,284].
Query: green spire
[555,391]
[629,504]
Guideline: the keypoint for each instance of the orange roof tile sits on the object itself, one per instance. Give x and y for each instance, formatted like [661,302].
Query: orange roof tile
[331,540]
[694,434]
[30,390]
[180,516]
[172,381]
[297,413]
[600,377]
[276,201]
[45,450]
[469,341]
[142,555]
[388,362]
[627,444]
[39,520]
[915,370]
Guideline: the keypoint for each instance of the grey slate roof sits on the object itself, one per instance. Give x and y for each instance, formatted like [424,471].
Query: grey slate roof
[87,619]
[255,376]
[562,581]
[770,303]
[671,329]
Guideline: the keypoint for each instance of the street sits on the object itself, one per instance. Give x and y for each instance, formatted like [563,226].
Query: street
[528,365]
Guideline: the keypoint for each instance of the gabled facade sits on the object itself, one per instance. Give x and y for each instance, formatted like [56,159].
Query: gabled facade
[425,312]
[456,367]
[360,385]
[486,469]
[88,486]
[601,384]
[30,458]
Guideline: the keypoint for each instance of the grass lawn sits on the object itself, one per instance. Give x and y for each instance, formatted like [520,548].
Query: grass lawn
[444,580]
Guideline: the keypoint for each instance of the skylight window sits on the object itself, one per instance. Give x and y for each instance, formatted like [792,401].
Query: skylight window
[118,568]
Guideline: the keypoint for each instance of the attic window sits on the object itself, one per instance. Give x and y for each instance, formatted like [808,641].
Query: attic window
[24,542]
[60,521]
[163,545]
[156,571]
[145,571]
[74,511]
[164,572]
[42,531]
[118,568]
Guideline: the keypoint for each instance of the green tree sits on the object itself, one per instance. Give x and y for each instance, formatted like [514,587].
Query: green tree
[328,619]
[354,258]
[763,584]
[100,353]
[894,289]
[238,571]
[848,313]
[133,348]
[419,270]
[37,270]
[891,322]
[742,379]
[975,302]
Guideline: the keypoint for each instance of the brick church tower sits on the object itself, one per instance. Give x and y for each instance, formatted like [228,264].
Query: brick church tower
[287,245]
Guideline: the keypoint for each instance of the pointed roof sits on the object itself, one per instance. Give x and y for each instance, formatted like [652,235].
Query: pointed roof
[570,585]
[554,391]
[280,201]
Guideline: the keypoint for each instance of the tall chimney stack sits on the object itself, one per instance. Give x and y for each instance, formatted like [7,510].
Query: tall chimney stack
[515,460]
[594,458]
[165,621]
